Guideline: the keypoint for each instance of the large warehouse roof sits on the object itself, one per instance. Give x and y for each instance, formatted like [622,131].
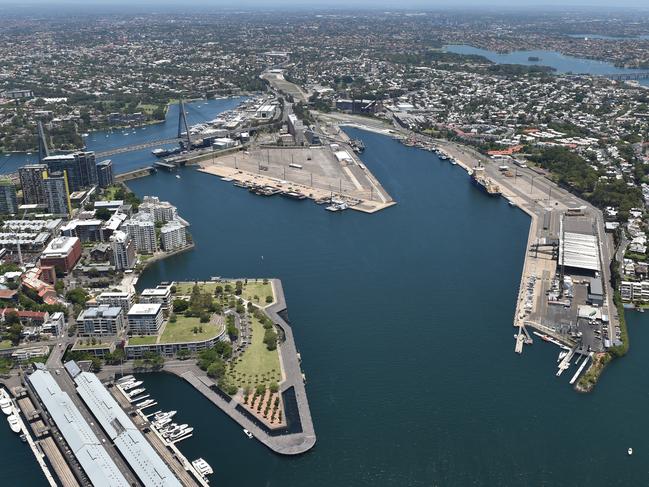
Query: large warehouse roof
[131,443]
[93,457]
[579,251]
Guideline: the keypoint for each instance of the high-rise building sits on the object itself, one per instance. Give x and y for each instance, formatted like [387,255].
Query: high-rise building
[161,211]
[142,229]
[31,181]
[173,236]
[8,201]
[123,250]
[80,167]
[57,194]
[105,173]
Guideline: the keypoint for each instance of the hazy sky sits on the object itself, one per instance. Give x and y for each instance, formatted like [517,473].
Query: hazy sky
[429,4]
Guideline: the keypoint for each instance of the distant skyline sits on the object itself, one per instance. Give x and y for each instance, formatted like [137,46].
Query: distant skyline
[347,4]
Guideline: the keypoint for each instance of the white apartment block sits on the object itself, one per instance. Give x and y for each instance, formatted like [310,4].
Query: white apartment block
[634,290]
[142,231]
[160,295]
[173,236]
[145,319]
[103,320]
[120,299]
[161,211]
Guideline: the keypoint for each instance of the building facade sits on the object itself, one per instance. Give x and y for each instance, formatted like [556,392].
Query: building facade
[57,194]
[142,231]
[105,173]
[79,166]
[31,182]
[121,299]
[145,319]
[8,200]
[173,236]
[122,250]
[62,253]
[102,320]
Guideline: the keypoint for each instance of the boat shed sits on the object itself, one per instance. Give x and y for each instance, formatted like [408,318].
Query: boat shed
[129,440]
[79,436]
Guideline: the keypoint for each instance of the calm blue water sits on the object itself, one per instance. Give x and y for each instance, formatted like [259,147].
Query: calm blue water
[403,320]
[560,62]
[197,112]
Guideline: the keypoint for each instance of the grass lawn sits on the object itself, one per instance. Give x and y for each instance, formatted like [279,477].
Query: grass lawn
[83,343]
[4,344]
[148,109]
[109,193]
[257,365]
[253,288]
[259,289]
[143,340]
[183,330]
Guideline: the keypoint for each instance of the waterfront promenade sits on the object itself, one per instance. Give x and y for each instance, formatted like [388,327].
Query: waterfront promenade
[289,443]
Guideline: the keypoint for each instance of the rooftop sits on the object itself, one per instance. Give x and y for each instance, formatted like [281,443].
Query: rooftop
[145,309]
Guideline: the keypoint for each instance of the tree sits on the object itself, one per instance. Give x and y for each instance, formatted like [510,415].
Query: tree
[216,370]
[103,214]
[183,354]
[270,339]
[77,296]
[205,318]
[274,387]
[269,299]
[260,389]
[180,305]
[173,318]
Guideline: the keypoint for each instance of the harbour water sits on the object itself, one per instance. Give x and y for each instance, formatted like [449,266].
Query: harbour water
[197,112]
[554,59]
[403,320]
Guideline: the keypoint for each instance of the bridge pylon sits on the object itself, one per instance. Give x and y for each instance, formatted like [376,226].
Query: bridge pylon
[43,150]
[182,124]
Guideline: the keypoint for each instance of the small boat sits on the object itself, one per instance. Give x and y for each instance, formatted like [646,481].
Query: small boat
[169,414]
[131,385]
[630,451]
[14,423]
[136,392]
[247,433]
[454,162]
[202,467]
[180,433]
[226,180]
[5,403]
[178,176]
[126,378]
[145,404]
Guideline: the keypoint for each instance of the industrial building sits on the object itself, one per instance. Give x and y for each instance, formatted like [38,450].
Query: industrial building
[77,433]
[579,246]
[137,452]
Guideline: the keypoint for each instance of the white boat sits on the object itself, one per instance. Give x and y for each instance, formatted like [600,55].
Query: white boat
[178,176]
[161,422]
[169,415]
[131,385]
[126,378]
[13,423]
[5,403]
[136,392]
[145,404]
[630,451]
[180,433]
[248,433]
[202,467]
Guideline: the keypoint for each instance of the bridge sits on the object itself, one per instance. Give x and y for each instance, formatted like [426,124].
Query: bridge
[183,136]
[134,147]
[627,76]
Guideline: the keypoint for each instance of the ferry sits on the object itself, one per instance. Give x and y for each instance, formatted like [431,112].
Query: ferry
[248,433]
[202,467]
[5,403]
[14,424]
